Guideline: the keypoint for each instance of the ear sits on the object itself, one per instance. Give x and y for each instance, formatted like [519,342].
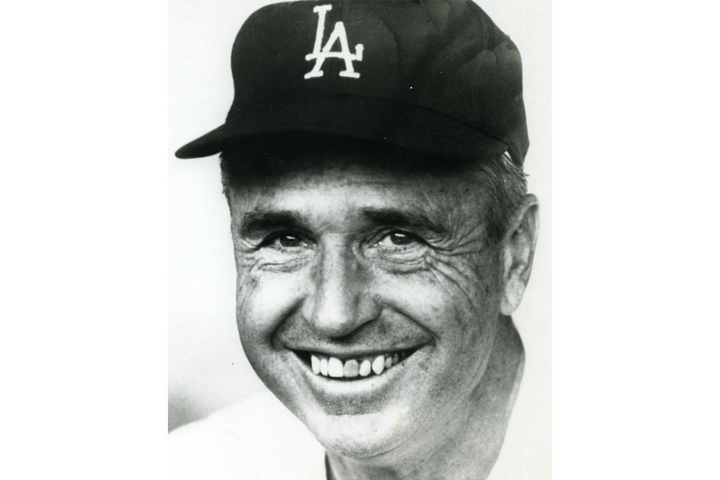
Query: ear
[518,250]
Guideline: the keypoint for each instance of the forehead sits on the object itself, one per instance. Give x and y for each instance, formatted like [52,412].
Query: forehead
[346,180]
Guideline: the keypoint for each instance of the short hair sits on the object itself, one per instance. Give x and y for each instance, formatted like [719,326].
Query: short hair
[506,184]
[502,179]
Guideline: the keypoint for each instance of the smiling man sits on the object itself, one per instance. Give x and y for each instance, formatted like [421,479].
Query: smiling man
[372,162]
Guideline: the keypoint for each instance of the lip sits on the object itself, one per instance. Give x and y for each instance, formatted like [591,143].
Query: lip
[356,353]
[362,394]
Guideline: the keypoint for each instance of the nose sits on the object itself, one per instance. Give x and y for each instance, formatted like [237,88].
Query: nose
[340,298]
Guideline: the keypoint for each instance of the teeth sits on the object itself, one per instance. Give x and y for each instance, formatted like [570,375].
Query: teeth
[378,365]
[335,367]
[351,368]
[362,367]
[324,366]
[315,364]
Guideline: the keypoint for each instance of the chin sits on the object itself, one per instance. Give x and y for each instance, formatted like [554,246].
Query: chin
[363,436]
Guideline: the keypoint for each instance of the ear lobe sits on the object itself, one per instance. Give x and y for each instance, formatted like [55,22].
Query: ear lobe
[518,253]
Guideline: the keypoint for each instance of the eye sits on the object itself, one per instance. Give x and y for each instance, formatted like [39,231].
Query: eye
[282,241]
[289,241]
[396,247]
[398,239]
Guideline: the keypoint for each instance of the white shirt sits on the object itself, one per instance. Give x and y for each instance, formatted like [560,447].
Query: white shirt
[260,439]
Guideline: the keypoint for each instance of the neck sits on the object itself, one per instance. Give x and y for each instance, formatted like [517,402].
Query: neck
[471,439]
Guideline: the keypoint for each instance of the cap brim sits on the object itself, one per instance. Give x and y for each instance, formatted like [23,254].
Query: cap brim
[399,124]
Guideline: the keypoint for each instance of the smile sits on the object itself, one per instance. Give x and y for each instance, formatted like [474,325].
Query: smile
[340,388]
[353,368]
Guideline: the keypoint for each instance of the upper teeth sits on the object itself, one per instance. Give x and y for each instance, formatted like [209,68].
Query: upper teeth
[336,368]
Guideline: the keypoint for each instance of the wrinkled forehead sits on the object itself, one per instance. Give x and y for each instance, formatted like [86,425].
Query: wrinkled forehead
[357,175]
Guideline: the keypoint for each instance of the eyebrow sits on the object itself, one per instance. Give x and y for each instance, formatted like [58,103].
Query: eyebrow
[256,224]
[403,219]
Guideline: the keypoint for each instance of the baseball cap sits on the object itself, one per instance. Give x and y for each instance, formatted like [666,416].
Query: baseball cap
[433,76]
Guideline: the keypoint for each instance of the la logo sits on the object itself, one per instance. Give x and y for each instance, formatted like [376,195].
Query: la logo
[320,53]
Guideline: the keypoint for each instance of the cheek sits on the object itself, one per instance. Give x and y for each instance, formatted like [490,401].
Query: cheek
[449,298]
[264,300]
[460,307]
[473,291]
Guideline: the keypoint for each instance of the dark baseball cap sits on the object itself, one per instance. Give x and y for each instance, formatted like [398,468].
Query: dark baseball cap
[432,76]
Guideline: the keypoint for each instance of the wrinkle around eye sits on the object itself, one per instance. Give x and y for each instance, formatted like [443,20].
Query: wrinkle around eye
[268,260]
[269,254]
[403,258]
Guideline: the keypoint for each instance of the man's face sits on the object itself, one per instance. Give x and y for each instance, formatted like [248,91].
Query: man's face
[349,261]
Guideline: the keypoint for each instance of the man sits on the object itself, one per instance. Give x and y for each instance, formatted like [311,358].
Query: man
[372,161]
